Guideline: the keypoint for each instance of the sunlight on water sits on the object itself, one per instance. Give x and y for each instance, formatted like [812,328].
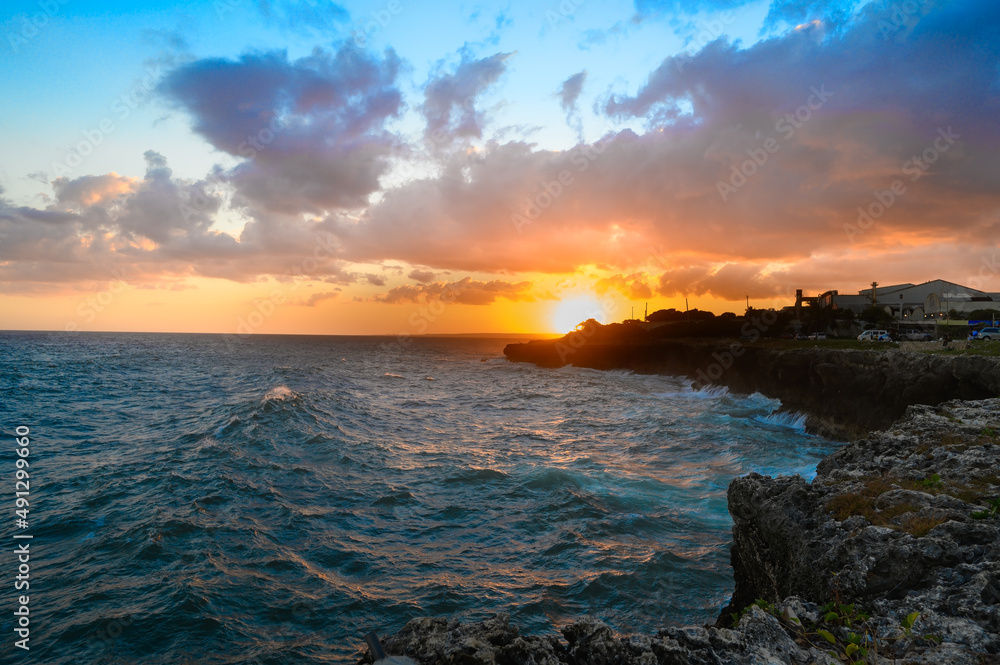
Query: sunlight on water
[287,495]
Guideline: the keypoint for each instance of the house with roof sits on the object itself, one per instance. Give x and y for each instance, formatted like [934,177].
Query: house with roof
[913,302]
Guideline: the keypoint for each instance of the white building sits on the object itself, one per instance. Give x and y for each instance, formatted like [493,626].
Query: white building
[917,302]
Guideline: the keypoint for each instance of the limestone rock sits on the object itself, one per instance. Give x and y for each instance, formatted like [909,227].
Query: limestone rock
[897,524]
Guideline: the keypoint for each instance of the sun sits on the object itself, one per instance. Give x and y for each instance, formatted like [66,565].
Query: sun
[574,311]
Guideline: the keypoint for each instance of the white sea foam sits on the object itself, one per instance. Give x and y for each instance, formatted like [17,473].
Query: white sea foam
[796,421]
[280,394]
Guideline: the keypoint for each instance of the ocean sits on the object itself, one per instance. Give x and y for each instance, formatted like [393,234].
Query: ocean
[196,500]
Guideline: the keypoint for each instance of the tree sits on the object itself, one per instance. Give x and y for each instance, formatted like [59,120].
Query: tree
[983,315]
[877,316]
[818,319]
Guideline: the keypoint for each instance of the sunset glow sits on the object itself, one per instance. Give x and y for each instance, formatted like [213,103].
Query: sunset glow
[335,171]
[568,314]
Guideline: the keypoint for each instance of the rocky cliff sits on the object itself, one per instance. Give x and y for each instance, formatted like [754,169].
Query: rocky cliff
[845,393]
[890,555]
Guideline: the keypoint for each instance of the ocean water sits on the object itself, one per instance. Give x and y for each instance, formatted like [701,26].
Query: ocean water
[271,501]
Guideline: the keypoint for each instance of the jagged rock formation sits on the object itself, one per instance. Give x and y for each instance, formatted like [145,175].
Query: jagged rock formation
[903,521]
[898,522]
[846,393]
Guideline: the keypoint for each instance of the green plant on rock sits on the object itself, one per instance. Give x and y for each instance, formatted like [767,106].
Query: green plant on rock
[760,602]
[908,622]
[932,481]
[841,614]
[993,507]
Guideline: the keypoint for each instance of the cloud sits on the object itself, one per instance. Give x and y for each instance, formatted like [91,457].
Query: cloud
[633,287]
[752,168]
[569,93]
[464,292]
[91,190]
[156,229]
[450,98]
[839,139]
[791,12]
[315,18]
[375,280]
[317,298]
[729,282]
[836,14]
[311,131]
[422,276]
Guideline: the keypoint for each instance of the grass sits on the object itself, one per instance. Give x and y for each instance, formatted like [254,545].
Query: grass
[989,348]
[904,516]
[959,442]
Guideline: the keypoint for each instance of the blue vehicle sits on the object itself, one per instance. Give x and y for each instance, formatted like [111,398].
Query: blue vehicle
[986,333]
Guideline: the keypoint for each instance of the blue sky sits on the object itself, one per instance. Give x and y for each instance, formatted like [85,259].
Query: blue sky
[68,76]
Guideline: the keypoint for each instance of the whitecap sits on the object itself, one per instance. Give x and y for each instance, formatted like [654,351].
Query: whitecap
[390,375]
[280,394]
[792,420]
[708,392]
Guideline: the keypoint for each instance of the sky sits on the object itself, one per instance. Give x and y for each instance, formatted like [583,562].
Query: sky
[394,167]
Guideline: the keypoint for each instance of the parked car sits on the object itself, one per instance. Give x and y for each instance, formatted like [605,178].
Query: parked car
[818,336]
[874,336]
[986,333]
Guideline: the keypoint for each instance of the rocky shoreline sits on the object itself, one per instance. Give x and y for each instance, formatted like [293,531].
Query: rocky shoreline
[844,393]
[890,555]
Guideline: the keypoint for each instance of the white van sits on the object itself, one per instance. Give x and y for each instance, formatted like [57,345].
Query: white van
[874,336]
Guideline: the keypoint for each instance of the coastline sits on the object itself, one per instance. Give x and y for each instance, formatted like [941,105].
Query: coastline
[892,548]
[845,393]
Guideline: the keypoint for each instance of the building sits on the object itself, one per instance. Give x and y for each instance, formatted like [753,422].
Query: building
[914,302]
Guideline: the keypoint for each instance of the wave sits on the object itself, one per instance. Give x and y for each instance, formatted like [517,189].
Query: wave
[472,476]
[708,392]
[280,394]
[792,420]
[390,375]
[235,420]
